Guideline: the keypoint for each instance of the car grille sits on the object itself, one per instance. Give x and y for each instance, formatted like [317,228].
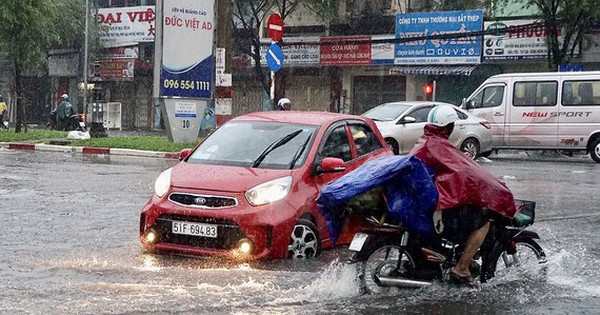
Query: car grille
[203,201]
[228,232]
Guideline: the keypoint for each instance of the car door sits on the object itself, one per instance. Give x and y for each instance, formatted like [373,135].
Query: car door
[335,144]
[533,121]
[412,131]
[489,103]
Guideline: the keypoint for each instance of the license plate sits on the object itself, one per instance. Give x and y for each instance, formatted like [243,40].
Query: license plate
[358,241]
[195,229]
[81,124]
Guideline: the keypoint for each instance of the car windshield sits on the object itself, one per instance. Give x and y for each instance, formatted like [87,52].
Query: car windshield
[274,145]
[387,112]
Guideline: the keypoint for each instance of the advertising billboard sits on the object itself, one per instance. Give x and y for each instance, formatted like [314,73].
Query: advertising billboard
[187,48]
[126,26]
[447,50]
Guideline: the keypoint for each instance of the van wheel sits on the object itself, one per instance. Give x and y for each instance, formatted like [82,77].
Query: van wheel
[595,150]
[305,241]
[470,147]
[393,145]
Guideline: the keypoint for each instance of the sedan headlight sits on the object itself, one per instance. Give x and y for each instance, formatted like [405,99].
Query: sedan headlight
[270,191]
[163,182]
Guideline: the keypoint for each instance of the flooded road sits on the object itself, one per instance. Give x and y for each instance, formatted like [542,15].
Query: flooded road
[69,244]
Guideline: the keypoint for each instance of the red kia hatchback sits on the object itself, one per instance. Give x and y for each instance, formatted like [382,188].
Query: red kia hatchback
[249,189]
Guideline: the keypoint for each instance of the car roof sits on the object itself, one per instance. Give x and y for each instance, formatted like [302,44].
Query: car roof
[416,103]
[296,117]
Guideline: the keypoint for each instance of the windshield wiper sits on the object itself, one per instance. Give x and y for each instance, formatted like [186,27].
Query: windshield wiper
[276,144]
[299,152]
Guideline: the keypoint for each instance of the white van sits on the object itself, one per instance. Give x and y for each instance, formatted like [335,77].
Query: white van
[552,110]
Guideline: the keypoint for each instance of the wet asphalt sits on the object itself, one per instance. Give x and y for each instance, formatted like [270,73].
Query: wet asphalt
[69,245]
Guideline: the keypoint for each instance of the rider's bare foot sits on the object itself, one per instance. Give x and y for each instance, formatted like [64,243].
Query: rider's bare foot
[464,279]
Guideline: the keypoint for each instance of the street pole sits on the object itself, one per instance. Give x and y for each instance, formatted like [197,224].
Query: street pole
[85,59]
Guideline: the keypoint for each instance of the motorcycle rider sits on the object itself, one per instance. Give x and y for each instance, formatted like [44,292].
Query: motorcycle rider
[64,112]
[284,104]
[468,193]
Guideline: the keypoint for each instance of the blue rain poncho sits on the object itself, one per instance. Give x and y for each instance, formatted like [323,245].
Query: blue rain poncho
[407,185]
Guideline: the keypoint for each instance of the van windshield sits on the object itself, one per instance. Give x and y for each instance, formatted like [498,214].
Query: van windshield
[243,143]
[387,112]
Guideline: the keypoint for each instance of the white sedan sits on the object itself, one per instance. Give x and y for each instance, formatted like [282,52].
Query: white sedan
[401,124]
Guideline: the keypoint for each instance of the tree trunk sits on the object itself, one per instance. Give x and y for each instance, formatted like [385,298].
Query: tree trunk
[19,95]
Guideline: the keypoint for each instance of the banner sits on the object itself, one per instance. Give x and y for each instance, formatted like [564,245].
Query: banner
[113,70]
[462,50]
[382,53]
[516,40]
[297,54]
[187,56]
[125,26]
[345,54]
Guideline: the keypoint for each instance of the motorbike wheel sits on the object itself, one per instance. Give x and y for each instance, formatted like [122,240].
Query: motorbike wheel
[386,260]
[528,254]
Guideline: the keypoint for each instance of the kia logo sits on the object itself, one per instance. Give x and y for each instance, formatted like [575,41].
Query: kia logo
[200,200]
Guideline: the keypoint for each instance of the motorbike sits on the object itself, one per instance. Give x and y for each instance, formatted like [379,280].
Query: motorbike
[395,197]
[388,255]
[75,122]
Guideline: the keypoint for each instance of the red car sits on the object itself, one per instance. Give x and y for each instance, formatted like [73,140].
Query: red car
[249,189]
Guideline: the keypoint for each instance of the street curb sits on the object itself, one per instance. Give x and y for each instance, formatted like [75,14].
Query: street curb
[87,150]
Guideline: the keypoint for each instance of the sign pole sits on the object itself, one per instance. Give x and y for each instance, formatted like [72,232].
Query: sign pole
[85,59]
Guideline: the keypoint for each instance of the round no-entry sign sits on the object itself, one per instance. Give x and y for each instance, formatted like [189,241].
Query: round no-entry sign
[275,27]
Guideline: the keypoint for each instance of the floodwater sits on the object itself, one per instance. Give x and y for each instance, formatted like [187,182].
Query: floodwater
[69,244]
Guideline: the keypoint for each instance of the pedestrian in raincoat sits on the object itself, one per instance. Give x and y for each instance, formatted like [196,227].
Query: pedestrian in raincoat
[467,191]
[3,113]
[63,113]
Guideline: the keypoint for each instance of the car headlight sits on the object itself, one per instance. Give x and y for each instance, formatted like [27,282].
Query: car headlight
[163,182]
[270,191]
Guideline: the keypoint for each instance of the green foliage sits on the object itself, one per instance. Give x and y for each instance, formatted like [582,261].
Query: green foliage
[31,135]
[151,143]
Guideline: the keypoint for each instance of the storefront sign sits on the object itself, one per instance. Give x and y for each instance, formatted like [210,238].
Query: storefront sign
[63,65]
[120,53]
[461,50]
[187,56]
[114,70]
[126,26]
[516,40]
[296,54]
[335,53]
[382,53]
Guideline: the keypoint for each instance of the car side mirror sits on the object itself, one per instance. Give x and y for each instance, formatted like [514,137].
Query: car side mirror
[407,120]
[332,165]
[184,154]
[469,104]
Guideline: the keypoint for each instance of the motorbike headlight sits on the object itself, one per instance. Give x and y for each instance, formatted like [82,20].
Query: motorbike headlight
[270,191]
[163,182]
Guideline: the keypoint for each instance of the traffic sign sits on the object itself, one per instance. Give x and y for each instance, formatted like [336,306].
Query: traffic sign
[275,57]
[275,27]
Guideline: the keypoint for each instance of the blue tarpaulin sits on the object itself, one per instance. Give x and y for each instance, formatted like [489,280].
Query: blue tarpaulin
[408,187]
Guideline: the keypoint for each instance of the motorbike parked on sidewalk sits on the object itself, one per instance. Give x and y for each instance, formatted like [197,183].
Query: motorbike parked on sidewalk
[387,255]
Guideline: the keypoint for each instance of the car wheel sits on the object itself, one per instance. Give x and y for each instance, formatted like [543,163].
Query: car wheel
[470,147]
[595,150]
[305,241]
[392,145]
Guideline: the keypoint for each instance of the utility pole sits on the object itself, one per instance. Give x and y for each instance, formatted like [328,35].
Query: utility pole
[84,108]
[224,37]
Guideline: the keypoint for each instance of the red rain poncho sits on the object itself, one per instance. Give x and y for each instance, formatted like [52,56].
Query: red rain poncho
[460,180]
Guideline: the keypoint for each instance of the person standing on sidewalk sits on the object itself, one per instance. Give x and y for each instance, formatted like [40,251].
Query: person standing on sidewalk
[64,112]
[3,113]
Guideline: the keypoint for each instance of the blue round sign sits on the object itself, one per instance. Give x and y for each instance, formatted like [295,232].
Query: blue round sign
[274,57]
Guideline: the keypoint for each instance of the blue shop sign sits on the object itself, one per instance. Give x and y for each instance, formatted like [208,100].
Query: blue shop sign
[455,50]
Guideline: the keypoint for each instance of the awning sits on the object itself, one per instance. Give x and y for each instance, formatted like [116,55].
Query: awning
[433,70]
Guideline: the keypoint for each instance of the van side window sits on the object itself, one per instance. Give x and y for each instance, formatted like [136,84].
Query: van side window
[490,96]
[535,93]
[577,93]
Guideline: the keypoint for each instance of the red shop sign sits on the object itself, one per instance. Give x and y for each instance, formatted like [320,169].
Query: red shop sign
[339,54]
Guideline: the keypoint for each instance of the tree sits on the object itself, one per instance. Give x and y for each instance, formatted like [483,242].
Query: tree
[566,22]
[28,29]
[248,17]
